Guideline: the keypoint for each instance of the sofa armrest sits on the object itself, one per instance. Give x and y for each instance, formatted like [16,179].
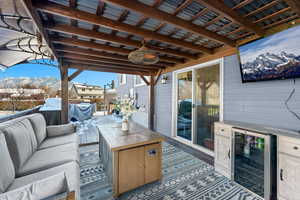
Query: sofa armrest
[59,130]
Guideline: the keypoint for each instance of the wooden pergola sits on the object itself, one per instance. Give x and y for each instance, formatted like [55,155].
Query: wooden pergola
[98,35]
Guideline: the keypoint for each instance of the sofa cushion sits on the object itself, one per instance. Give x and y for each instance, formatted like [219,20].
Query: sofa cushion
[39,126]
[59,130]
[71,171]
[55,141]
[39,189]
[7,169]
[50,157]
[21,141]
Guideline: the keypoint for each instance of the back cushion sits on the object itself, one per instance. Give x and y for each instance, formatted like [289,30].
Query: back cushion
[7,170]
[39,126]
[20,140]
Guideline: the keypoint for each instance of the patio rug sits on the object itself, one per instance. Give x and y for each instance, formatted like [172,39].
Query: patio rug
[184,177]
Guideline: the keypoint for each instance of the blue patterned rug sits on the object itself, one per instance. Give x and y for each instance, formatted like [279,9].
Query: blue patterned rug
[184,177]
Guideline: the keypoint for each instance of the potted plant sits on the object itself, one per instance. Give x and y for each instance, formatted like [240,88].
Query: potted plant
[127,109]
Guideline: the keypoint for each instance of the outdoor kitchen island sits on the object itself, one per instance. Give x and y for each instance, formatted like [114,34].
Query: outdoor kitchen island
[131,159]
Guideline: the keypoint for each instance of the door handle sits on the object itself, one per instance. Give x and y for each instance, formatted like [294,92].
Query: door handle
[229,154]
[281,174]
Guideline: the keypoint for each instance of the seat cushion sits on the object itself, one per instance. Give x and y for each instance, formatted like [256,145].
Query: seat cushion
[39,126]
[21,141]
[71,170]
[50,157]
[7,169]
[56,141]
[39,189]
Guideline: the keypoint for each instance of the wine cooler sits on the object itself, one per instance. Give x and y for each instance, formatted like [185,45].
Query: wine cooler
[254,162]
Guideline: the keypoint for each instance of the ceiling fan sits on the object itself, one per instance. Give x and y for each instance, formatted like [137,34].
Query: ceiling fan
[144,55]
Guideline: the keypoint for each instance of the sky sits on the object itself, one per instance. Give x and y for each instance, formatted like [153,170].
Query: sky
[36,71]
[288,41]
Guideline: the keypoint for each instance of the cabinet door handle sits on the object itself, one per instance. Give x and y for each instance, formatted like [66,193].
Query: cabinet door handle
[295,147]
[229,154]
[281,174]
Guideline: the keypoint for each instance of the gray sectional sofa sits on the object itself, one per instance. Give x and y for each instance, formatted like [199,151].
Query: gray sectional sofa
[36,161]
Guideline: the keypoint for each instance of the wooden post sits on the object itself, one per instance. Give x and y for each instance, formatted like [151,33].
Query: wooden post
[151,104]
[64,95]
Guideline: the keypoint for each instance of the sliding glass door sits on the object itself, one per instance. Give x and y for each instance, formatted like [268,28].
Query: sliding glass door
[184,105]
[198,105]
[207,105]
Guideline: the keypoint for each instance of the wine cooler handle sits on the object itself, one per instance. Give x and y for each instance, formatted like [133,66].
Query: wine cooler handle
[281,174]
[229,154]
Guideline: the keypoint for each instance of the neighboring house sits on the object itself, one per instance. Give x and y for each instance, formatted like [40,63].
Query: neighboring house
[84,91]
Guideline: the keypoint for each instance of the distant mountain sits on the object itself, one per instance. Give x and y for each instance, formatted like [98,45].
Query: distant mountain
[16,82]
[271,65]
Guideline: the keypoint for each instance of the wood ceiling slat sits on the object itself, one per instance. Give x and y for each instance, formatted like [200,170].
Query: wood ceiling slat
[295,5]
[151,12]
[182,6]
[273,14]
[258,10]
[202,12]
[99,12]
[112,38]
[95,53]
[61,10]
[242,4]
[220,7]
[106,60]
[214,20]
[281,21]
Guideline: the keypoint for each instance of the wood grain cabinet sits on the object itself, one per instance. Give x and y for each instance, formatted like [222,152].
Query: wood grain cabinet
[223,149]
[139,166]
[288,168]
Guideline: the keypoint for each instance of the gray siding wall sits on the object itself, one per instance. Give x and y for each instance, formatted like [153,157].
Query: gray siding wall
[142,98]
[259,102]
[163,107]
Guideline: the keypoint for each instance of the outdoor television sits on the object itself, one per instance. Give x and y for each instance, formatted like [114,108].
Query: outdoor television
[274,57]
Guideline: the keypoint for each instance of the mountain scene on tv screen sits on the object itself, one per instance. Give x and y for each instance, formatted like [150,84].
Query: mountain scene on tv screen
[274,57]
[272,66]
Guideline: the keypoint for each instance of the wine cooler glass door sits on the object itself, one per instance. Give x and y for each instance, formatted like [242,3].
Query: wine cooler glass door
[250,152]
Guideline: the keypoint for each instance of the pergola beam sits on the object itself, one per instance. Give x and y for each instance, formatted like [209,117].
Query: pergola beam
[64,115]
[105,68]
[151,12]
[111,66]
[105,60]
[74,75]
[64,11]
[220,7]
[145,80]
[100,54]
[106,37]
